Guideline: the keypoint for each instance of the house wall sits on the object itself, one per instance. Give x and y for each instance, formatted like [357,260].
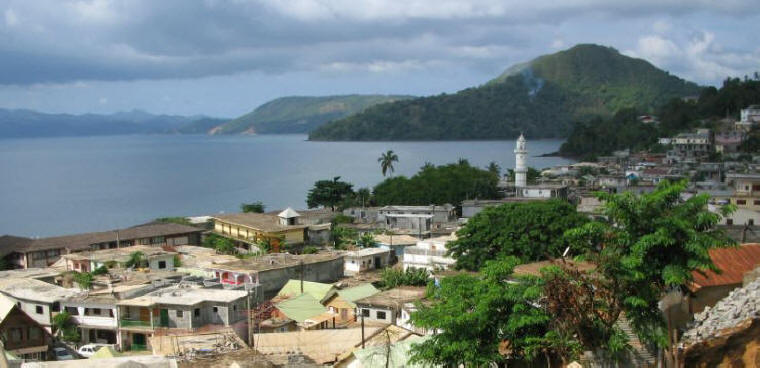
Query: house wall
[709,296]
[153,263]
[272,281]
[20,332]
[30,308]
[390,316]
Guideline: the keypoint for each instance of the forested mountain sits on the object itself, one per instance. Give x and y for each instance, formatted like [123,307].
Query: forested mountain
[300,114]
[541,98]
[28,123]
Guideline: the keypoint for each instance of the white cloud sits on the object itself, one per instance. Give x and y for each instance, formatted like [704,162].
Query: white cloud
[558,44]
[11,19]
[662,26]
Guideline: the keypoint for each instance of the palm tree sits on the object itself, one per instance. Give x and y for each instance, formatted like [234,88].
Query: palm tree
[386,161]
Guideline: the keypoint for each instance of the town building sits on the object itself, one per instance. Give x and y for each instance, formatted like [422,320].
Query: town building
[155,258]
[385,307]
[250,228]
[43,252]
[543,191]
[181,309]
[266,275]
[472,207]
[395,243]
[342,303]
[751,114]
[22,336]
[520,169]
[430,254]
[691,147]
[38,299]
[366,259]
[746,190]
[306,310]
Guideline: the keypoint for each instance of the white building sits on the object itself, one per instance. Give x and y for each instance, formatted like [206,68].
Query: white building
[39,299]
[751,114]
[365,260]
[520,168]
[429,254]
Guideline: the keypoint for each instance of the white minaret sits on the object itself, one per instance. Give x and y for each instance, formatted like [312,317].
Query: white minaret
[520,169]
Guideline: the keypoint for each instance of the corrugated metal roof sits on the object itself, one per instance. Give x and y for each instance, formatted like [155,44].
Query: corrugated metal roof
[733,262]
[301,307]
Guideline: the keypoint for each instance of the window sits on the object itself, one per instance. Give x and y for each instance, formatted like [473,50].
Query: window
[751,222]
[96,311]
[74,311]
[35,333]
[216,309]
[729,221]
[756,202]
[380,315]
[197,312]
[56,307]
[234,307]
[16,334]
[180,314]
[365,312]
[38,309]
[161,264]
[741,202]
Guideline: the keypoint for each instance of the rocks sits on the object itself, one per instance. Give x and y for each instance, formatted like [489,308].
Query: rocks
[739,306]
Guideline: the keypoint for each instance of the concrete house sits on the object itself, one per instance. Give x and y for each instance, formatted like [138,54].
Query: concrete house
[342,303]
[746,190]
[430,254]
[38,299]
[385,307]
[157,258]
[181,309]
[250,228]
[44,252]
[22,335]
[267,274]
[366,259]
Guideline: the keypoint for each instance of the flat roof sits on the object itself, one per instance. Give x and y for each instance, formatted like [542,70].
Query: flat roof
[396,239]
[274,261]
[441,207]
[366,252]
[394,297]
[175,295]
[118,254]
[36,290]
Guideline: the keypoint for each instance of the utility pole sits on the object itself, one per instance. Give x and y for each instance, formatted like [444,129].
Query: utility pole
[362,329]
[248,316]
[301,264]
[117,239]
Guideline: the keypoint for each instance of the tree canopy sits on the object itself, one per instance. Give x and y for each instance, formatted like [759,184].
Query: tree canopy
[329,193]
[254,207]
[451,183]
[530,231]
[386,161]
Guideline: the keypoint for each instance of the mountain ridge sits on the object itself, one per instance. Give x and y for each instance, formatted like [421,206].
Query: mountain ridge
[542,98]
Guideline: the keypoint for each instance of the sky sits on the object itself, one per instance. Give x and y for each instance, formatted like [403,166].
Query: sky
[224,58]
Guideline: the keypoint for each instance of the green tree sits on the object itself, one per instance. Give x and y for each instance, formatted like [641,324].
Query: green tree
[223,245]
[175,220]
[366,240]
[83,279]
[343,236]
[328,193]
[394,277]
[438,185]
[530,231]
[253,207]
[650,244]
[64,328]
[136,259]
[494,168]
[474,314]
[386,161]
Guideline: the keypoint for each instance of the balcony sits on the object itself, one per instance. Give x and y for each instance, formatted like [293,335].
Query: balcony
[136,323]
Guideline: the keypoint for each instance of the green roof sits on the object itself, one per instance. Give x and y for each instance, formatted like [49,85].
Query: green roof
[377,356]
[301,307]
[317,290]
[355,293]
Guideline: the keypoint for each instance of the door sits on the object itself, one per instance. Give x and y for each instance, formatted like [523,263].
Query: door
[164,318]
[378,263]
[138,339]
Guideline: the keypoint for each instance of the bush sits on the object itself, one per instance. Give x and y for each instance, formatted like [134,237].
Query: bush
[310,250]
[102,270]
[392,278]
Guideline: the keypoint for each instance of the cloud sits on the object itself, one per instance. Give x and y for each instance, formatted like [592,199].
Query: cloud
[698,56]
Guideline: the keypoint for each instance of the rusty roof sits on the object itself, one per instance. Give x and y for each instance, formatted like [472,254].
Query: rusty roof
[733,262]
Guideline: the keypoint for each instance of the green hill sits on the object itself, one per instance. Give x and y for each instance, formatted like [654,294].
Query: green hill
[300,114]
[541,98]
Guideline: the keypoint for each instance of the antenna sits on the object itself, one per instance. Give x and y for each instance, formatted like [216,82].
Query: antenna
[567,250]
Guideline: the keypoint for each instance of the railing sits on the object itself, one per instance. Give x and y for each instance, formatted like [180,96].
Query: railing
[135,323]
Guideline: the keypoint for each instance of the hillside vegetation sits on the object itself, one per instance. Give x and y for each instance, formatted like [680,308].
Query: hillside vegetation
[541,98]
[300,114]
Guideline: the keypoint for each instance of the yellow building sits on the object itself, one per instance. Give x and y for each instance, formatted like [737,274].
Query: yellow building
[250,228]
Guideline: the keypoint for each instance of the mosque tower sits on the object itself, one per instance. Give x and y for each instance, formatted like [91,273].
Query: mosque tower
[520,169]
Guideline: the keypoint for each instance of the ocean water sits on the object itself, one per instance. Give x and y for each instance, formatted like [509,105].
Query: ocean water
[56,186]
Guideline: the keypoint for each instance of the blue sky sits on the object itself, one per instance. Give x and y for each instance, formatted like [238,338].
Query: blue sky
[224,58]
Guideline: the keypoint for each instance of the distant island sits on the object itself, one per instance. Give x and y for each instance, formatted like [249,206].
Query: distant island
[542,98]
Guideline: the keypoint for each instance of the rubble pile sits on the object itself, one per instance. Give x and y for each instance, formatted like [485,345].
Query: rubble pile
[738,307]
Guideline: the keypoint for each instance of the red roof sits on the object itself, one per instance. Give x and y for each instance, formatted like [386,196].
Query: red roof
[734,262]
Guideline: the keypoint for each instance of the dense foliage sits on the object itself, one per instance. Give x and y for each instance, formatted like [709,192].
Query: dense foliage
[394,277]
[301,114]
[601,136]
[175,220]
[63,326]
[475,314]
[253,207]
[540,98]
[438,185]
[329,193]
[529,231]
[648,245]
